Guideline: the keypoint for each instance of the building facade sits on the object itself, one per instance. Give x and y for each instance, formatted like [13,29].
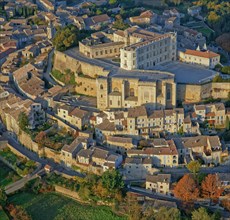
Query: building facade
[122,92]
[205,58]
[145,49]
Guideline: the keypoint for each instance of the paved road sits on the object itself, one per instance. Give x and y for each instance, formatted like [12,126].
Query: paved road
[218,169]
[46,74]
[153,195]
[43,161]
[19,184]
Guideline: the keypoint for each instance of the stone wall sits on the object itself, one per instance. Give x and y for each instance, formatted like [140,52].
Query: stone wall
[220,90]
[52,154]
[63,62]
[93,70]
[67,192]
[197,93]
[26,140]
[188,93]
[86,86]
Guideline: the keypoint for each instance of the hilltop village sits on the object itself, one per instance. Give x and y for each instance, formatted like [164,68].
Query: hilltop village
[99,88]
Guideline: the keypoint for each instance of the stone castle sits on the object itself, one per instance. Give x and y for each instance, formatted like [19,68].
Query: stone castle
[139,80]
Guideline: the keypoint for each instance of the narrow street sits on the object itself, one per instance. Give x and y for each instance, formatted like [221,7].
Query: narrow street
[46,74]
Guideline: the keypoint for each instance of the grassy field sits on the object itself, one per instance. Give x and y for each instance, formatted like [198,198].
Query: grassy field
[205,31]
[53,206]
[7,175]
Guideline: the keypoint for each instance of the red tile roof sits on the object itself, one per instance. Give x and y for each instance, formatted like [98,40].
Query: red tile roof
[205,54]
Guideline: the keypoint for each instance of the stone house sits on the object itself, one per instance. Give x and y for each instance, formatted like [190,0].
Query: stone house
[207,148]
[214,114]
[138,168]
[146,17]
[106,128]
[159,183]
[31,51]
[98,157]
[206,58]
[75,116]
[120,144]
[69,152]
[162,156]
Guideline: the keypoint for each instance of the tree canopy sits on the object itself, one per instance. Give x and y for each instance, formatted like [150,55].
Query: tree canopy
[223,40]
[23,121]
[225,69]
[3,197]
[120,24]
[186,189]
[112,180]
[194,166]
[201,214]
[167,214]
[210,187]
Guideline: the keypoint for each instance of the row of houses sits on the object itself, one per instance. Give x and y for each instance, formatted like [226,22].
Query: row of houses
[137,163]
[10,108]
[143,122]
[84,153]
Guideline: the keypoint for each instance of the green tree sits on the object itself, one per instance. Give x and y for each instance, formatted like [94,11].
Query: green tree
[213,17]
[194,167]
[99,12]
[112,2]
[66,37]
[225,69]
[23,121]
[167,214]
[119,24]
[112,180]
[3,197]
[201,214]
[84,192]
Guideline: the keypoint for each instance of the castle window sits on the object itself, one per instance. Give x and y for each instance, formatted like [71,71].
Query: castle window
[101,86]
[168,94]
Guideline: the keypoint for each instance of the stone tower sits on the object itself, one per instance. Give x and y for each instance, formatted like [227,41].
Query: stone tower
[102,93]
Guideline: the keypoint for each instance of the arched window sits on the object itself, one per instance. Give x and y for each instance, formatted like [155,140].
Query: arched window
[168,94]
[131,92]
[101,86]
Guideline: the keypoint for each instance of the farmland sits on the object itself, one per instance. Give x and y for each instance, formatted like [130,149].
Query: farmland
[55,206]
